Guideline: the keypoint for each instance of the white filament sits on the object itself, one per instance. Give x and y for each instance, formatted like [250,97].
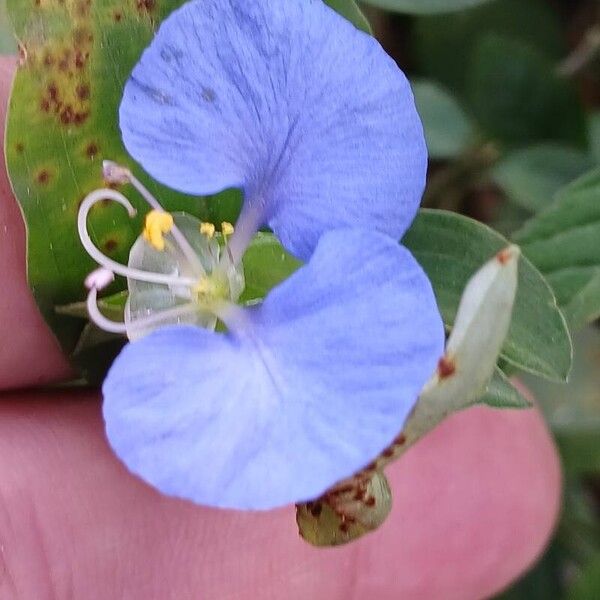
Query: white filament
[116,327]
[106,262]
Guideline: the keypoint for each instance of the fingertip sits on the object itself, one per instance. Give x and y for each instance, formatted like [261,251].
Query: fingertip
[33,355]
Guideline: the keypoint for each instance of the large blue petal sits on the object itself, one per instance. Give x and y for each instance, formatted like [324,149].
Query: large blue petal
[316,383]
[287,100]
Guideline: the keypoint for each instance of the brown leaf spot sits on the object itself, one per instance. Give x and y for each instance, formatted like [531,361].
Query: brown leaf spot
[43,177]
[19,147]
[91,150]
[370,501]
[315,508]
[83,91]
[446,367]
[82,8]
[117,16]
[81,36]
[48,59]
[67,115]
[146,5]
[110,245]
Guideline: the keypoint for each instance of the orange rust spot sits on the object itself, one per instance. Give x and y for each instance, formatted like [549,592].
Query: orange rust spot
[346,489]
[388,453]
[360,495]
[43,177]
[446,367]
[400,440]
[504,256]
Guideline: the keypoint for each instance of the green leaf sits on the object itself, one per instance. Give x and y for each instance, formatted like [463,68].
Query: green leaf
[594,134]
[501,393]
[350,10]
[63,122]
[444,44]
[425,7]
[266,264]
[451,247]
[517,96]
[587,586]
[447,128]
[530,177]
[573,410]
[563,242]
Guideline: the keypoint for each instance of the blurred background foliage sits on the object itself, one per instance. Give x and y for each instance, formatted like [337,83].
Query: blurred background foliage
[509,92]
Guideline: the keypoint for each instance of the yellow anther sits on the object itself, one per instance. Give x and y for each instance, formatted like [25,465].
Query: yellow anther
[207,229]
[157,224]
[226,228]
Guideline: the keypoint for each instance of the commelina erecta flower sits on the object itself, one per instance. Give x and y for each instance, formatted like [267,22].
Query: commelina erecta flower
[317,126]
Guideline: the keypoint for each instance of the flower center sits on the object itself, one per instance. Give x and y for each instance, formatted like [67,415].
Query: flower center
[180,270]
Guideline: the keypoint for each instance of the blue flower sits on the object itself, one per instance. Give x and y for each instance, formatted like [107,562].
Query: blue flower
[309,117]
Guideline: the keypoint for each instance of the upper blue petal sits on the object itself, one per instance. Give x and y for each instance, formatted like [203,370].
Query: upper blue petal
[315,385]
[287,100]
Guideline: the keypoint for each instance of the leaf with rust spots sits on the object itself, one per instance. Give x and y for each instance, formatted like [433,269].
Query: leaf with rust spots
[76,56]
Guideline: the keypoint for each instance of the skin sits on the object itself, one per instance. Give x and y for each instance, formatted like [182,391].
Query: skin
[474,502]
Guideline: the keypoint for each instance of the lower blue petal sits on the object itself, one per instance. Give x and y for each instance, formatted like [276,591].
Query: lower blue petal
[316,384]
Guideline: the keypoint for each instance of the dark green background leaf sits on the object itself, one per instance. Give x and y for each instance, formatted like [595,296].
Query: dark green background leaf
[444,44]
[425,6]
[531,176]
[517,96]
[564,243]
[448,129]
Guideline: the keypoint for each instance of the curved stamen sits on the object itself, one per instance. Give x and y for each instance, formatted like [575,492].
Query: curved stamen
[116,327]
[106,262]
[119,174]
[99,319]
